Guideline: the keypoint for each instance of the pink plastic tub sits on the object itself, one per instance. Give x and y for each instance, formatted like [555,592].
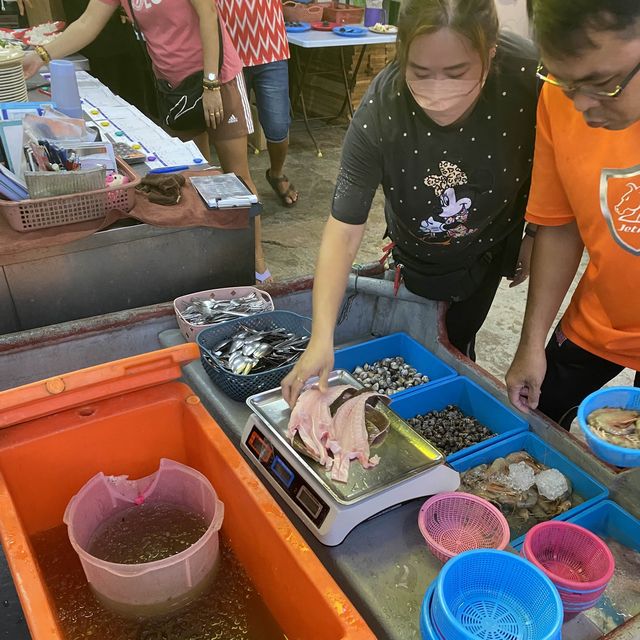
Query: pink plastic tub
[153,587]
[455,522]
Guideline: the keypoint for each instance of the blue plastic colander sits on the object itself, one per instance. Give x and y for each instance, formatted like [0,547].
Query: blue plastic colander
[427,630]
[622,397]
[495,595]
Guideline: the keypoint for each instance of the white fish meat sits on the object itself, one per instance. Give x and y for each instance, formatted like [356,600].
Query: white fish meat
[334,440]
[349,438]
[311,420]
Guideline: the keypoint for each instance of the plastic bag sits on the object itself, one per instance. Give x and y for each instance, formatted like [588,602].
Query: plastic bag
[55,126]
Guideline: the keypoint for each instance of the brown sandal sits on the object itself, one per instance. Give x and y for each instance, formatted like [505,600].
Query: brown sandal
[289,193]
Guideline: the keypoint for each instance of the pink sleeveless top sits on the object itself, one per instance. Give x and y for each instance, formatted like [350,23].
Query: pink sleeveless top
[172,32]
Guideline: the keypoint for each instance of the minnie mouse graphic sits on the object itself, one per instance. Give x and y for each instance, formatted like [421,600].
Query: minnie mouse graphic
[449,223]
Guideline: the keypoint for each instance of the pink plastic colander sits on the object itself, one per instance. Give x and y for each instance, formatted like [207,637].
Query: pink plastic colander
[577,561]
[455,522]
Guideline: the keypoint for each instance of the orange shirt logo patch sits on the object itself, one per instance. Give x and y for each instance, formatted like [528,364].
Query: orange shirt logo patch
[620,203]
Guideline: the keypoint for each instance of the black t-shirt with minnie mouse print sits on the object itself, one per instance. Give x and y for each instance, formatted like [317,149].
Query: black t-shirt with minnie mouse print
[452,193]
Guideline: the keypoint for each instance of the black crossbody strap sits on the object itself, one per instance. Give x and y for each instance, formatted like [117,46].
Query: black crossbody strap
[136,28]
[140,37]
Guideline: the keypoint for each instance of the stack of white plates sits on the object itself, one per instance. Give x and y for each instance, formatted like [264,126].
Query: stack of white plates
[13,86]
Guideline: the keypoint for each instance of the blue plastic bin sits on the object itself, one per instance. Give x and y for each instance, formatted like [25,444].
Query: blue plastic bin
[591,491]
[609,520]
[472,400]
[394,345]
[624,397]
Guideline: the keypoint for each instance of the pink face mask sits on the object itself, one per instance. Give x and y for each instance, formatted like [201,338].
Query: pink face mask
[445,101]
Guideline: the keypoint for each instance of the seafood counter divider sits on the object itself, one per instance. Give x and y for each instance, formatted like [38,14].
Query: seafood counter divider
[383,566]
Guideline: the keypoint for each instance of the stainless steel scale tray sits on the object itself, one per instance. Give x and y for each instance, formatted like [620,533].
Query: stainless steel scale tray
[403,454]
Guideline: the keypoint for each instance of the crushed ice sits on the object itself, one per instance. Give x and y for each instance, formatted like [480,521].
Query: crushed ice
[521,477]
[552,484]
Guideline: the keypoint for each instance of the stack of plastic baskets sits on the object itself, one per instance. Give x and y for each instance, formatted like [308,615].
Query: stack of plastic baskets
[578,562]
[491,595]
[427,630]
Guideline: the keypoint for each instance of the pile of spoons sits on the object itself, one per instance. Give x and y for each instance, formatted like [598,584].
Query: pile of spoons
[211,311]
[250,351]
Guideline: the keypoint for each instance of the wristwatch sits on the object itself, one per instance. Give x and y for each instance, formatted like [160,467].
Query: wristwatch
[211,82]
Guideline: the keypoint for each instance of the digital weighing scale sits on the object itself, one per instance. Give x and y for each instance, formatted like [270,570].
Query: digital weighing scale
[410,467]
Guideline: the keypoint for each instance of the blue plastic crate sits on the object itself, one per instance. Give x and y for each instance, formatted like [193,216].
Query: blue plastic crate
[609,520]
[394,345]
[471,400]
[591,491]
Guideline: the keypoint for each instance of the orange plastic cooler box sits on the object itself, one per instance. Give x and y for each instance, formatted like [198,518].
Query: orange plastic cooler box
[121,418]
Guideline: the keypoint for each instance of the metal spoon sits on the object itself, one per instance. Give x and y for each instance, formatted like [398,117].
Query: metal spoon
[262,350]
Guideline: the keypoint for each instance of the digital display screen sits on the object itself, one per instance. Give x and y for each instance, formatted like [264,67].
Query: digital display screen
[260,447]
[282,472]
[309,502]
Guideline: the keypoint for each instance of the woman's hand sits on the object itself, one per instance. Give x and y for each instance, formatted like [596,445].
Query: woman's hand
[22,4]
[317,360]
[31,63]
[524,262]
[213,109]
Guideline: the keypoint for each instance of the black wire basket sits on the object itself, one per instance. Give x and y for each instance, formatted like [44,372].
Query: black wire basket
[240,387]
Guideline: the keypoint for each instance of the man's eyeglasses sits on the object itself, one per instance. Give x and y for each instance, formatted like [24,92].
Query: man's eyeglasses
[584,89]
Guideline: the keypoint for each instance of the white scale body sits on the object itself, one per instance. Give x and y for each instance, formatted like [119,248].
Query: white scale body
[413,469]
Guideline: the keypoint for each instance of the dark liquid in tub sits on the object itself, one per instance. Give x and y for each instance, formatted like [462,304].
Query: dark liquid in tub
[146,533]
[229,607]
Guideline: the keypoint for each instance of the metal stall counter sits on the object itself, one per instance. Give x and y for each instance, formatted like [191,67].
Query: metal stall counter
[383,565]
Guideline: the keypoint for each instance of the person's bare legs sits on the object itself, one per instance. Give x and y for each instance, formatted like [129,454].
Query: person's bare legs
[202,142]
[277,156]
[234,158]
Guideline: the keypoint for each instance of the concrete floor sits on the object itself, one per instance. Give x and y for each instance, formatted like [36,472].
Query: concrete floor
[292,237]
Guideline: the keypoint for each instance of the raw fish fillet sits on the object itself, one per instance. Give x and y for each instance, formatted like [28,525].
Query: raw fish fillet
[338,426]
[311,421]
[349,438]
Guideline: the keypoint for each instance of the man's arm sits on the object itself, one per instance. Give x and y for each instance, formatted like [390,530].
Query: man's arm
[556,256]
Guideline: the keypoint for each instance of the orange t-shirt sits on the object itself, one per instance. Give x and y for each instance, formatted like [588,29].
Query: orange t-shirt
[592,176]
